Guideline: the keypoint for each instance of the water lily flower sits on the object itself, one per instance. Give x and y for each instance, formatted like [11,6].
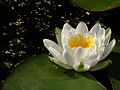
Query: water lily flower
[81,49]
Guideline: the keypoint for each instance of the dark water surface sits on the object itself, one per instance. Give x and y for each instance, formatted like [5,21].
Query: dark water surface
[25,23]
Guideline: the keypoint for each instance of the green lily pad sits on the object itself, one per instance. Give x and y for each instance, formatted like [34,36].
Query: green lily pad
[97,5]
[115,67]
[38,73]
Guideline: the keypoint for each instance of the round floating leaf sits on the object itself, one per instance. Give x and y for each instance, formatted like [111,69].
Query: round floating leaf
[97,5]
[38,73]
[115,67]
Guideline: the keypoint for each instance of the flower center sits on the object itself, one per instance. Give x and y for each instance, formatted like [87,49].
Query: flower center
[81,40]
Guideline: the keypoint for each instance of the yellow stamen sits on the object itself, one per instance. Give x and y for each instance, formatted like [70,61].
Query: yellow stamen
[81,40]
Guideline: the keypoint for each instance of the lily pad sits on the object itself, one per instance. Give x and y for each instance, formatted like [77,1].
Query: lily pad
[38,73]
[114,69]
[97,5]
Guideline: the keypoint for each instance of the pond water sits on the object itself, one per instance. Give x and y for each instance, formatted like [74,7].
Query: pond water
[25,23]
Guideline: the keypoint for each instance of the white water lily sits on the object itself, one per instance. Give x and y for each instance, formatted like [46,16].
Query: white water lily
[81,49]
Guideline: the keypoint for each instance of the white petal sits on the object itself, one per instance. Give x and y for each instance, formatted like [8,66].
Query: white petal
[107,36]
[64,36]
[58,62]
[86,66]
[100,37]
[69,34]
[101,34]
[101,51]
[57,55]
[84,53]
[81,68]
[48,43]
[92,50]
[76,66]
[78,53]
[73,50]
[67,26]
[95,28]
[109,48]
[92,60]
[81,28]
[72,31]
[68,58]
